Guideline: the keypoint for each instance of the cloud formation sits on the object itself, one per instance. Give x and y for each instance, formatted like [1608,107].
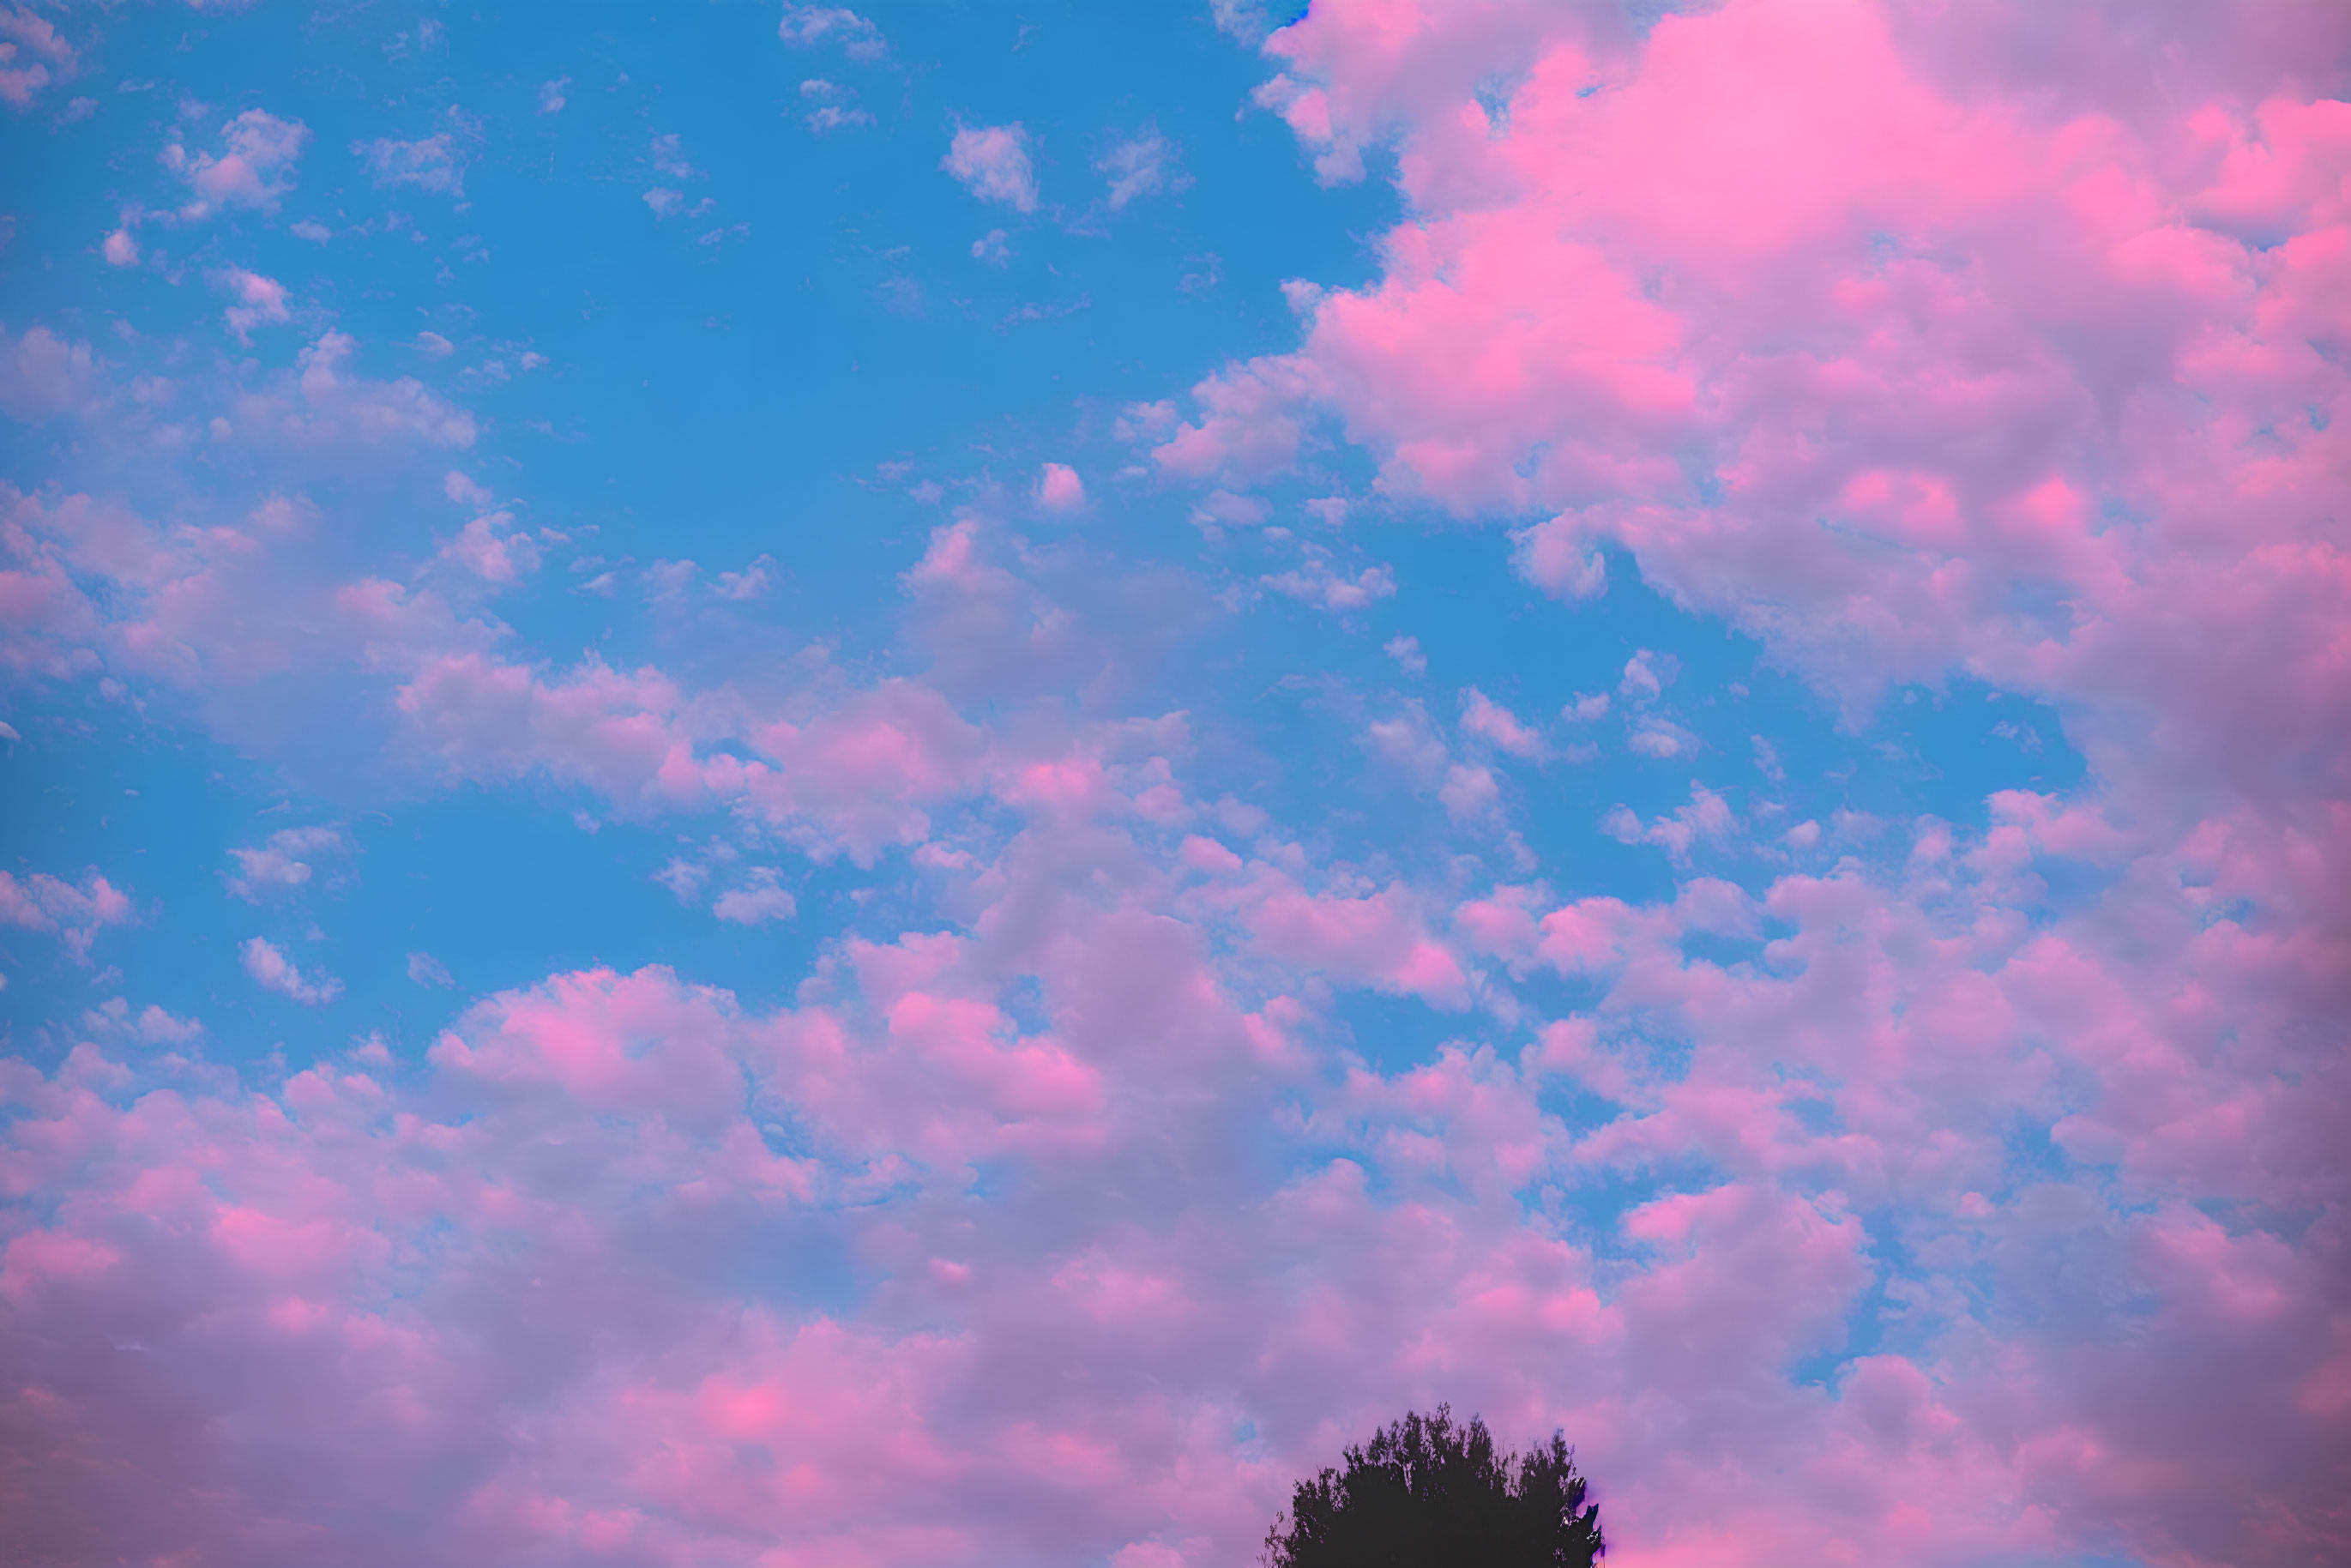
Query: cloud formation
[992,160]
[1702,806]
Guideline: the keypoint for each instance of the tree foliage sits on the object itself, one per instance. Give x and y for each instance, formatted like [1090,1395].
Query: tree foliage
[1426,1492]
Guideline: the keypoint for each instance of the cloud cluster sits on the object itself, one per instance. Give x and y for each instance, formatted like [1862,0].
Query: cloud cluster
[992,162]
[1865,1190]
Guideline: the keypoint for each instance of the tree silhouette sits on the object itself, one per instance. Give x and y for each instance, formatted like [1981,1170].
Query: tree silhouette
[1428,1493]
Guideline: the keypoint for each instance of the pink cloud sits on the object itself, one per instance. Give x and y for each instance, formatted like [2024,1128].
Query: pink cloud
[1318,583]
[491,548]
[260,300]
[617,732]
[1059,488]
[992,162]
[1249,426]
[803,25]
[755,903]
[435,163]
[255,167]
[274,971]
[44,902]
[324,405]
[577,1129]
[1497,726]
[2043,263]
[1374,938]
[1977,340]
[32,56]
[1706,818]
[43,375]
[281,861]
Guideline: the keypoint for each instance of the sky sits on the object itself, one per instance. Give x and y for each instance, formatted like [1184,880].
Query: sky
[932,785]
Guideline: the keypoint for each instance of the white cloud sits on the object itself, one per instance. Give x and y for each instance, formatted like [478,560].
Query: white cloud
[682,878]
[1707,816]
[282,861]
[1648,675]
[151,1026]
[276,972]
[992,160]
[757,902]
[1489,720]
[669,158]
[260,300]
[254,168]
[436,163]
[31,46]
[1144,166]
[748,584]
[1587,707]
[805,26]
[834,117]
[1059,488]
[836,106]
[1317,584]
[1469,792]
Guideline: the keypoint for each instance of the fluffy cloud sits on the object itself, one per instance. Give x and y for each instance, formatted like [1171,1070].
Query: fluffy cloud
[43,375]
[260,301]
[32,56]
[1059,488]
[1499,727]
[1977,276]
[1851,1190]
[1143,165]
[757,901]
[396,1224]
[804,26]
[273,970]
[435,163]
[282,861]
[992,160]
[254,168]
[44,902]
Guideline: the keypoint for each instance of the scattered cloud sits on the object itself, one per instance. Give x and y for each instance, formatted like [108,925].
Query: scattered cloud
[1059,488]
[832,106]
[1495,725]
[254,168]
[273,971]
[1143,165]
[281,862]
[435,163]
[992,162]
[804,26]
[260,301]
[756,900]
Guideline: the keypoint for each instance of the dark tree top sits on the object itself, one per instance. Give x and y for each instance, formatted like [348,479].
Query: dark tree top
[1428,1493]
